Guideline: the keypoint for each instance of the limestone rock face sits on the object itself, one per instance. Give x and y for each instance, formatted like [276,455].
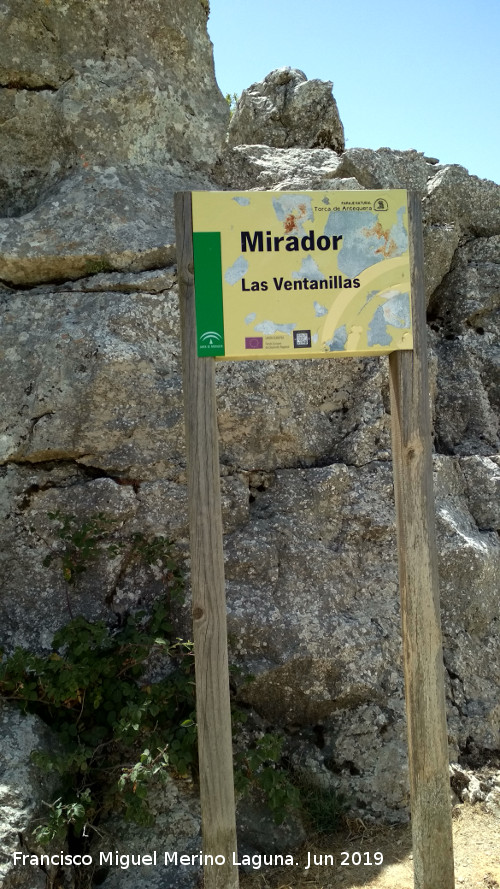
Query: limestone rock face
[99,219]
[472,203]
[285,110]
[62,387]
[22,791]
[259,166]
[386,168]
[176,810]
[465,310]
[91,414]
[29,165]
[85,83]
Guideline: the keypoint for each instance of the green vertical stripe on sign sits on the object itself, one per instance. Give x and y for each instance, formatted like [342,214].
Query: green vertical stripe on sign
[208,293]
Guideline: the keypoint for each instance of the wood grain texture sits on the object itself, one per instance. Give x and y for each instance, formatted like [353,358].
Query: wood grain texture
[207,578]
[419,589]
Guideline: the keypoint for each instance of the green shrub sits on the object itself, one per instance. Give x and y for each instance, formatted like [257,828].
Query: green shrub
[257,769]
[232,101]
[323,808]
[118,731]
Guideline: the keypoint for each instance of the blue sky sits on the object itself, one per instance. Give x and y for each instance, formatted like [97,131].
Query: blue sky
[421,74]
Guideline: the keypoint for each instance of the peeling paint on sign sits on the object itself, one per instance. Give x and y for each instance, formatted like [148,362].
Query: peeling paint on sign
[301,274]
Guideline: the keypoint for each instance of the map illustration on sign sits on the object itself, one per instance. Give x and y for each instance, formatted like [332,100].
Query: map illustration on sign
[301,274]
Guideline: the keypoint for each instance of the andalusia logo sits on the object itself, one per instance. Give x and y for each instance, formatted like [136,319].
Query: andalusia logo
[211,339]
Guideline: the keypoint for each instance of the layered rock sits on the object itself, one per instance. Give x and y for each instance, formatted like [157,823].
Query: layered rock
[287,109]
[86,84]
[98,219]
[465,315]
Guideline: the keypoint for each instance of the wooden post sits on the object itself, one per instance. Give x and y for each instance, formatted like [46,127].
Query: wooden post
[207,578]
[418,580]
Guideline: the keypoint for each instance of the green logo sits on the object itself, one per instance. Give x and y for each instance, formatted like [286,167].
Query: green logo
[208,289]
[211,343]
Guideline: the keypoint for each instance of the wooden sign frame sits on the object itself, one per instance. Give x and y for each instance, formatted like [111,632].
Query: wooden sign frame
[418,582]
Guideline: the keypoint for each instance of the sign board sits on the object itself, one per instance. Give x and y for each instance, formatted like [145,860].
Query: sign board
[270,281]
[315,274]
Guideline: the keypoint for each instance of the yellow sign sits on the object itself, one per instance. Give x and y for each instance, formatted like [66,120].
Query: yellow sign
[314,274]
